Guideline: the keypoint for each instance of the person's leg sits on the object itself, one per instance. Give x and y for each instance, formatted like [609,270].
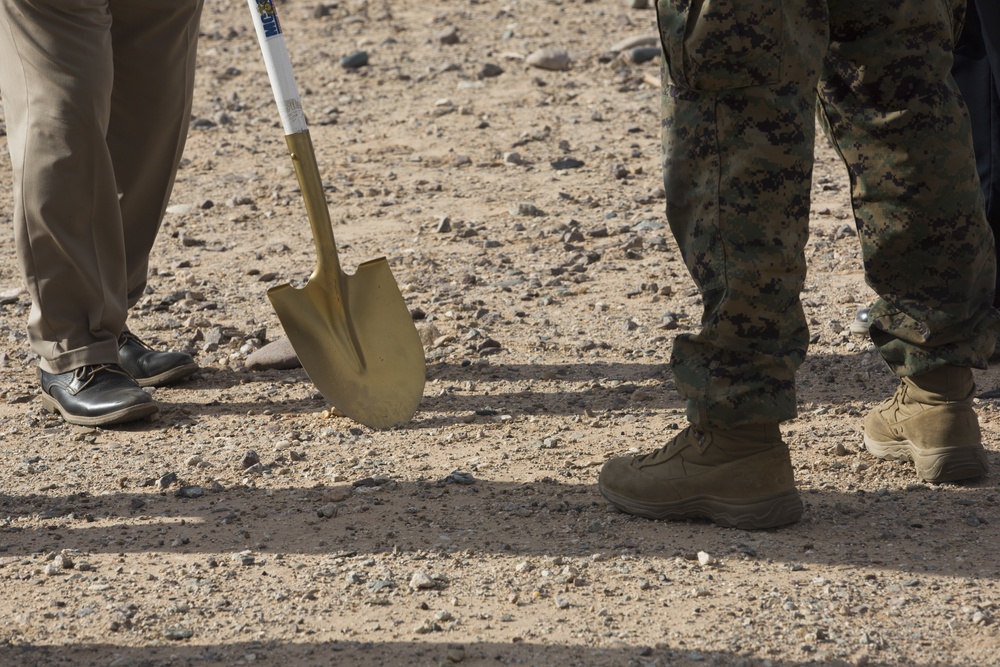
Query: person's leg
[899,124]
[989,17]
[738,157]
[154,44]
[738,134]
[976,70]
[56,81]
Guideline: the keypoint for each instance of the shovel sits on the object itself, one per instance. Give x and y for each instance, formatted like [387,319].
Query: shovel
[353,333]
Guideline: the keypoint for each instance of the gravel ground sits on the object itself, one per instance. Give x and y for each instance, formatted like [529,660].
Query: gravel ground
[521,212]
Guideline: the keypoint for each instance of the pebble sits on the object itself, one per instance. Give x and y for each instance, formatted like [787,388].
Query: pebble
[455,653]
[277,355]
[177,633]
[526,210]
[327,511]
[428,334]
[557,60]
[180,209]
[632,42]
[166,480]
[192,491]
[448,36]
[421,581]
[642,54]
[566,163]
[463,478]
[513,157]
[489,71]
[354,60]
[249,460]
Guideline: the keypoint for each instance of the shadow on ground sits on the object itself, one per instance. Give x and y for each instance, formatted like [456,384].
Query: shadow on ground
[304,654]
[893,530]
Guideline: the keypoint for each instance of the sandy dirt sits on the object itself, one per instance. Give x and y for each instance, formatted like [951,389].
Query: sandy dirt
[250,524]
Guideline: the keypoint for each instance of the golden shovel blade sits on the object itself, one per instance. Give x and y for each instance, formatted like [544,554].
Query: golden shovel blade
[356,340]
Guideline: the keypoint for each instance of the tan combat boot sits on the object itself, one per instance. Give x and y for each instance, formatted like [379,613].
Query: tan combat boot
[930,421]
[738,477]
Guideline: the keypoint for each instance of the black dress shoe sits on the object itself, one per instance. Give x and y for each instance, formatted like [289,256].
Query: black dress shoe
[149,367]
[96,395]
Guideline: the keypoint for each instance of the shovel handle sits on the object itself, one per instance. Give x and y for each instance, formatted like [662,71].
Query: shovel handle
[279,66]
[293,120]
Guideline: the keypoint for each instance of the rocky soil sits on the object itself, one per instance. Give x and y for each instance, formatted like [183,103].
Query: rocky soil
[504,157]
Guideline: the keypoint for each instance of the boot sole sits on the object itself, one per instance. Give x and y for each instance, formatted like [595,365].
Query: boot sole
[941,464]
[779,510]
[129,414]
[168,377]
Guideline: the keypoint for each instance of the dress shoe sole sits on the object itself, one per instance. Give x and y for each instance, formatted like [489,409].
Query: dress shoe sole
[131,413]
[941,464]
[778,510]
[170,376]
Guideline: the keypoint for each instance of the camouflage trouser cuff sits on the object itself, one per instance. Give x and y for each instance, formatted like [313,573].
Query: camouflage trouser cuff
[725,389]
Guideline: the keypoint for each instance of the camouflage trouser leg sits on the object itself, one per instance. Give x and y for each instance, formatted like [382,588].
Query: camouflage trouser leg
[928,251]
[739,97]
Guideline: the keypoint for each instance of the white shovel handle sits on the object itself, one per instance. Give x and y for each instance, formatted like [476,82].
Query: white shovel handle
[279,67]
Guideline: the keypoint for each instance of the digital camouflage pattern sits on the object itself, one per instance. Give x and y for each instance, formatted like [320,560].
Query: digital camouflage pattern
[743,82]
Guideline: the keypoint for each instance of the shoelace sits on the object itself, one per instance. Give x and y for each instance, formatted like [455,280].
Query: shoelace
[85,374]
[127,337]
[671,444]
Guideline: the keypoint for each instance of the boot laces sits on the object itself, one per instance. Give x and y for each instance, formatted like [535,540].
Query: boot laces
[682,439]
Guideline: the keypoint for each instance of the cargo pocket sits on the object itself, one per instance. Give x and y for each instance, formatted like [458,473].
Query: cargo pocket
[716,45]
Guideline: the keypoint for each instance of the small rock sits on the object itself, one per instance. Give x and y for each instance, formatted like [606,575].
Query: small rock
[327,511]
[428,334]
[177,633]
[464,478]
[354,60]
[566,163]
[192,491]
[551,59]
[448,36]
[513,157]
[166,480]
[526,210]
[642,54]
[455,653]
[421,581]
[489,71]
[249,460]
[632,42]
[278,355]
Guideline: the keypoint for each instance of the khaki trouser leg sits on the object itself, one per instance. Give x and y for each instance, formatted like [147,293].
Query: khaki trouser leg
[89,96]
[154,57]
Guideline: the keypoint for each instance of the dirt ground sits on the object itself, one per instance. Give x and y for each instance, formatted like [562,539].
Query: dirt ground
[521,212]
